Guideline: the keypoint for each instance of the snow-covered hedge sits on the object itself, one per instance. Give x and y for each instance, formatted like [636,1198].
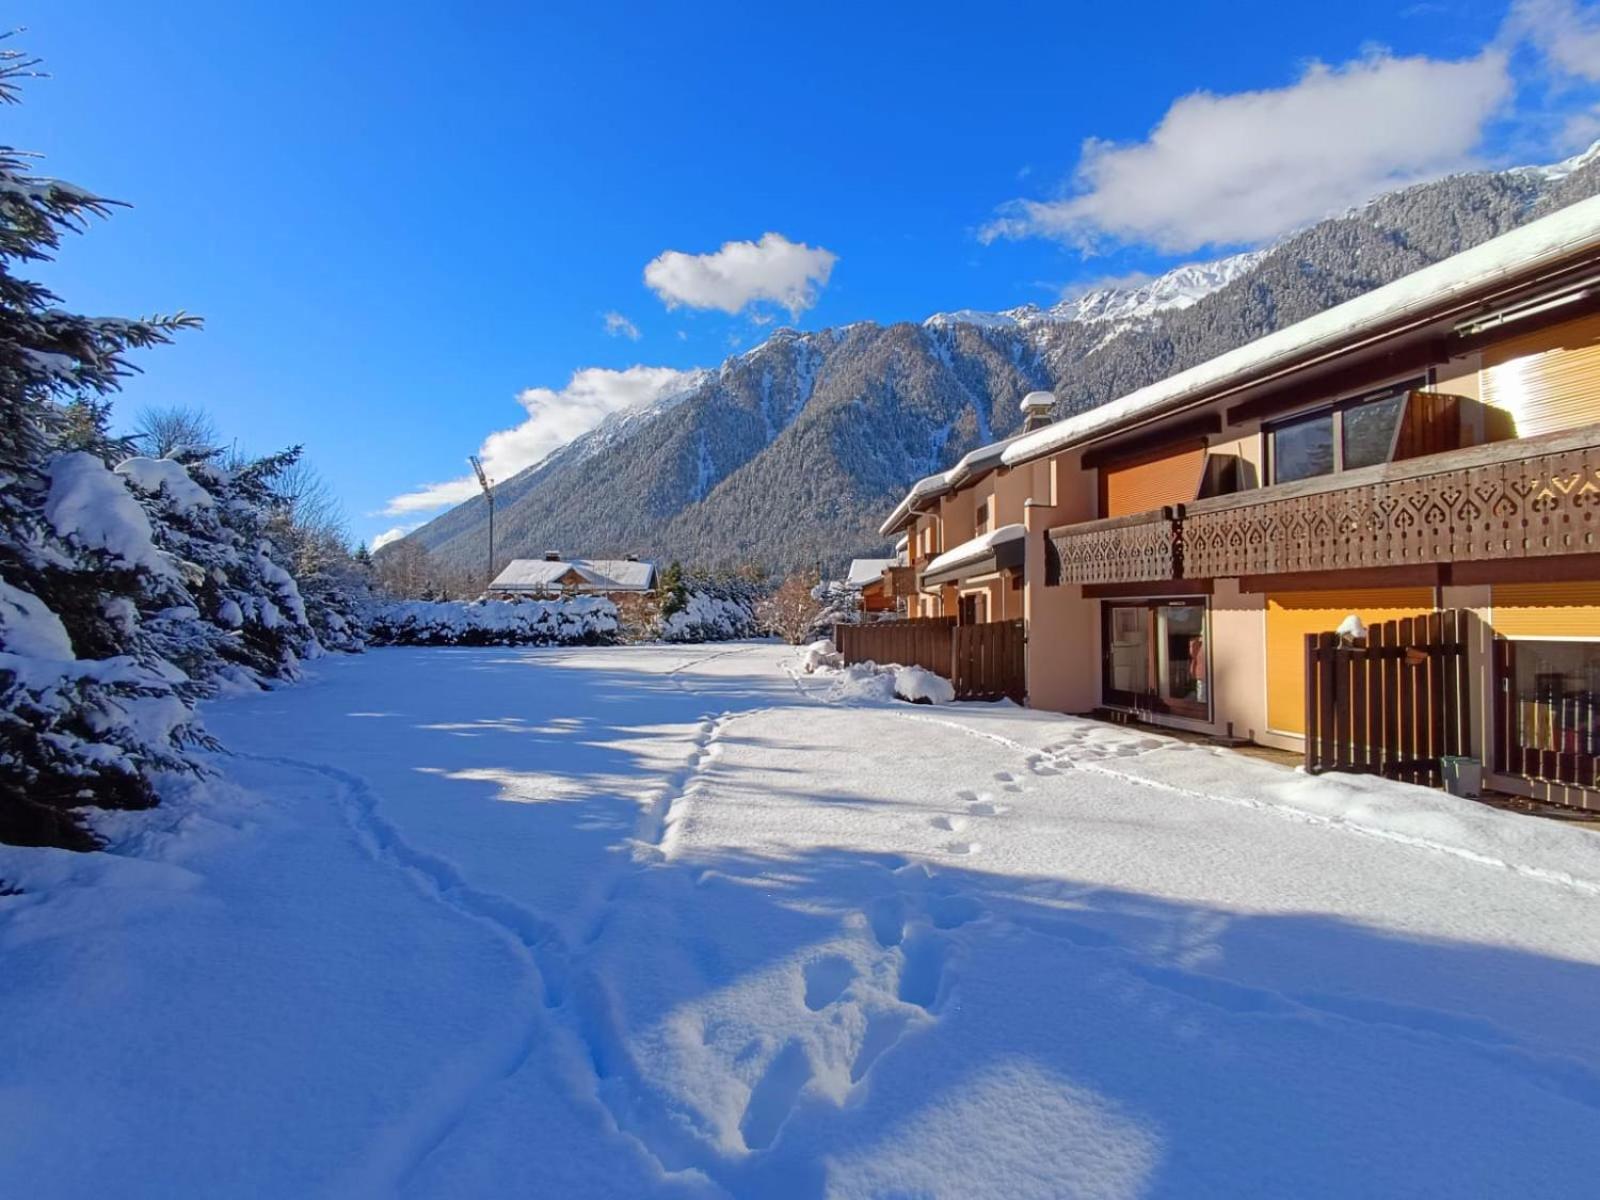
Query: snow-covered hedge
[708,616]
[579,620]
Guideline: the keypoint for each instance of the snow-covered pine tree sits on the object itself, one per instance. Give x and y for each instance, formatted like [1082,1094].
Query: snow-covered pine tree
[87,707]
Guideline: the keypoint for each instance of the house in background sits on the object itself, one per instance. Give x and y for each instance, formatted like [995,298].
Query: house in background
[554,575]
[870,577]
[1427,454]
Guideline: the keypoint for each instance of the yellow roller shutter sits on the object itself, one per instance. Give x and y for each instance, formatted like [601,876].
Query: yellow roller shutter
[1292,615]
[1547,610]
[1547,380]
[1172,477]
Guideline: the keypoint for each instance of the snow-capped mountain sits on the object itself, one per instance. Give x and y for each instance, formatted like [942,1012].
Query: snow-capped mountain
[790,453]
[1135,300]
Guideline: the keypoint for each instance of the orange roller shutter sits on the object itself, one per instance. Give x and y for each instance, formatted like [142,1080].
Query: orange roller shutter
[1548,380]
[1292,615]
[1172,477]
[1547,610]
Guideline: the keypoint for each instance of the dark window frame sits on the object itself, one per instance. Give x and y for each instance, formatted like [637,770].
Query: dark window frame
[1337,409]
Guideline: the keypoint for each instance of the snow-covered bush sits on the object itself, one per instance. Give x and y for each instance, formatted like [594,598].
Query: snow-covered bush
[579,620]
[714,610]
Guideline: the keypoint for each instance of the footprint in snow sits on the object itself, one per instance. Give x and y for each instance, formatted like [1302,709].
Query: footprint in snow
[949,824]
[962,848]
[774,1096]
[826,979]
[986,808]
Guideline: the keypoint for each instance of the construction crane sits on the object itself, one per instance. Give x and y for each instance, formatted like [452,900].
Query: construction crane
[487,485]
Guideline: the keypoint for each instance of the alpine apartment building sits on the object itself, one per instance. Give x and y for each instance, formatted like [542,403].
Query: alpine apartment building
[1430,447]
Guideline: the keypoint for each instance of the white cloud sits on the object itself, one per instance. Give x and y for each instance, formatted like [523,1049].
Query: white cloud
[1566,34]
[554,418]
[618,325]
[1244,168]
[393,534]
[776,270]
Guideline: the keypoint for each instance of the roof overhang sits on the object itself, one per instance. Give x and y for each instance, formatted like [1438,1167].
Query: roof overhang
[981,560]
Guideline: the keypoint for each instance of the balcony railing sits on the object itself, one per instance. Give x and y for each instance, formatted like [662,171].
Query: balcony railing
[1132,549]
[1528,498]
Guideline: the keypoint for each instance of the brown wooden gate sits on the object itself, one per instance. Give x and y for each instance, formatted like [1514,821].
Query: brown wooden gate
[1392,706]
[984,661]
[988,661]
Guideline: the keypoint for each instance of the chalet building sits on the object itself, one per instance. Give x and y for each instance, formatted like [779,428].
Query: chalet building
[1427,454]
[554,575]
[872,578]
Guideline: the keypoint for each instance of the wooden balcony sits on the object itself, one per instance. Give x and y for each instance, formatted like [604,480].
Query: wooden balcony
[1508,500]
[900,581]
[1527,498]
[1135,549]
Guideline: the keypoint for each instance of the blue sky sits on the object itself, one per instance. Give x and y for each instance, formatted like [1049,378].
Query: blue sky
[397,219]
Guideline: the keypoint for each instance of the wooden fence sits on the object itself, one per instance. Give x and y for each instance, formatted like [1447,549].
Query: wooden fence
[1392,706]
[920,642]
[983,661]
[987,661]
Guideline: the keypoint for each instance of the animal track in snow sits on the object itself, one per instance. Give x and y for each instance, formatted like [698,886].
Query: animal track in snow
[826,979]
[986,808]
[949,824]
[962,848]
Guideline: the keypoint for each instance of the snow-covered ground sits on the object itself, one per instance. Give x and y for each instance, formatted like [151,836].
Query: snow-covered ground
[677,921]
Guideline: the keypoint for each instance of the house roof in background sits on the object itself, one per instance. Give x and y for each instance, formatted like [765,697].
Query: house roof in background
[867,570]
[600,574]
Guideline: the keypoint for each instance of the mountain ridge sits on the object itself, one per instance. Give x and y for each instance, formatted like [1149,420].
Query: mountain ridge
[788,454]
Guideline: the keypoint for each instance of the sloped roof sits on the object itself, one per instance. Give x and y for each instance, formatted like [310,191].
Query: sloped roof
[989,551]
[867,570]
[600,575]
[1436,289]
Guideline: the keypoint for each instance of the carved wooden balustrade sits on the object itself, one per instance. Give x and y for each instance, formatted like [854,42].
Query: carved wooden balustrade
[1518,499]
[1116,550]
[1527,498]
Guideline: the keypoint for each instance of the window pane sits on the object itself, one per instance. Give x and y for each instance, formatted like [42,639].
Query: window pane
[1557,689]
[1130,650]
[1303,449]
[1183,650]
[1369,431]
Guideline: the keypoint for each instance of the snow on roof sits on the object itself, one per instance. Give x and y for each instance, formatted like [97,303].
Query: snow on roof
[867,570]
[599,574]
[1561,233]
[973,464]
[975,549]
[1428,290]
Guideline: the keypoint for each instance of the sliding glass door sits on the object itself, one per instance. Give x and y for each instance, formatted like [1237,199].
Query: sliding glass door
[1157,656]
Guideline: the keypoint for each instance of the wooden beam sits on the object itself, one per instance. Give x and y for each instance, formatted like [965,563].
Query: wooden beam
[1430,575]
[1152,441]
[1539,569]
[1154,589]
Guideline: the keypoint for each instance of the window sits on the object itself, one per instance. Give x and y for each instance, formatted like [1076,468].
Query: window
[1369,430]
[1303,448]
[1550,715]
[980,521]
[973,609]
[1157,656]
[1355,433]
